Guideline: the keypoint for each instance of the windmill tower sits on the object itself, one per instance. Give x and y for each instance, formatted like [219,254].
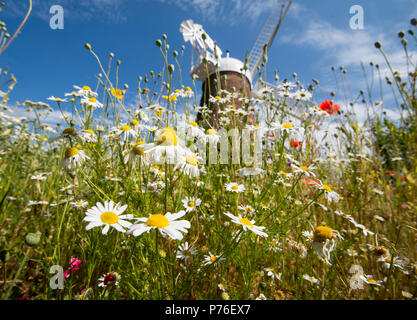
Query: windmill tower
[217,72]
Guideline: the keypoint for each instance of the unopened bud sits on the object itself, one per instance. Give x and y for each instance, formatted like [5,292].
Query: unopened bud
[87,46]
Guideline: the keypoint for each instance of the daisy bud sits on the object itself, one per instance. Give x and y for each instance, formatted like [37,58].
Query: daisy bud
[225,296]
[158,43]
[413,22]
[162,253]
[401,34]
[125,86]
[171,68]
[175,53]
[87,46]
[204,36]
[164,36]
[411,32]
[404,42]
[111,55]
[72,123]
[378,45]
[118,62]
[33,239]
[7,35]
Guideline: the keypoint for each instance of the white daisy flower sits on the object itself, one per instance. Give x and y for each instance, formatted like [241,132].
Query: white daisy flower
[370,280]
[136,154]
[234,187]
[247,209]
[125,130]
[108,215]
[272,274]
[166,224]
[52,98]
[188,164]
[90,102]
[190,204]
[165,148]
[72,158]
[88,136]
[247,224]
[185,251]
[211,137]
[84,91]
[79,204]
[38,177]
[324,242]
[311,279]
[305,170]
[212,259]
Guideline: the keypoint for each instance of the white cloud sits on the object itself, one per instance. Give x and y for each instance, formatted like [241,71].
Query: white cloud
[105,10]
[226,12]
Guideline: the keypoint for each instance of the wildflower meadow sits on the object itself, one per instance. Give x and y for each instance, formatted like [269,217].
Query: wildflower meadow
[154,201]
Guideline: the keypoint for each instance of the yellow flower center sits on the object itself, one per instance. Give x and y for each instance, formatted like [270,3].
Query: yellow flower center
[211,131]
[326,187]
[287,126]
[217,97]
[371,280]
[79,204]
[86,88]
[89,131]
[94,100]
[167,137]
[187,89]
[191,160]
[191,204]
[70,152]
[322,233]
[249,209]
[138,151]
[193,123]
[151,188]
[246,222]
[125,128]
[109,217]
[235,188]
[213,258]
[157,220]
[304,168]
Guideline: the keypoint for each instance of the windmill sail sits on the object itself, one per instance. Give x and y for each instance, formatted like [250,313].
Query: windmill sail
[267,35]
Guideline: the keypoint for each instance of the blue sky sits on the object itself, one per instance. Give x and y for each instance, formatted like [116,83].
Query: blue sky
[315,36]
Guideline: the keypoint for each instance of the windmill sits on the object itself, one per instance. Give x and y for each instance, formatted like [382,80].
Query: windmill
[209,67]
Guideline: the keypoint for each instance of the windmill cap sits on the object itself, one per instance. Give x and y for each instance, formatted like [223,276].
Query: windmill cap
[232,64]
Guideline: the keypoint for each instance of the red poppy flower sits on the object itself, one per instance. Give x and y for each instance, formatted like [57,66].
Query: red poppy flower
[391,173]
[329,107]
[295,144]
[310,182]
